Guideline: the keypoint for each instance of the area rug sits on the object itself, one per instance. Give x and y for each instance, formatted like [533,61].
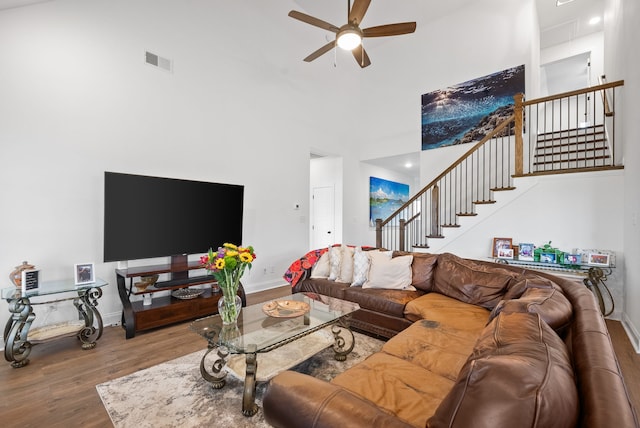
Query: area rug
[174,393]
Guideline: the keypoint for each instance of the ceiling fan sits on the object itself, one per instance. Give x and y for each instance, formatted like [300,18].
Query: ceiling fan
[349,36]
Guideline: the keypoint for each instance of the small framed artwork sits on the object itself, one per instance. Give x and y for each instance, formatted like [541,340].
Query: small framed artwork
[83,273]
[598,259]
[501,243]
[525,251]
[548,257]
[505,253]
[30,280]
[572,259]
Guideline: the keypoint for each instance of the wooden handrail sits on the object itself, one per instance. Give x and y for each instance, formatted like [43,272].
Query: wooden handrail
[469,152]
[574,93]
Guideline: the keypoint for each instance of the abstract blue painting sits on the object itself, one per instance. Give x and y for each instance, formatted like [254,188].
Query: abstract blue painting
[466,112]
[385,197]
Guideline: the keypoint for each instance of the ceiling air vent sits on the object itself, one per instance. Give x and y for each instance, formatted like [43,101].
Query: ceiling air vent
[158,61]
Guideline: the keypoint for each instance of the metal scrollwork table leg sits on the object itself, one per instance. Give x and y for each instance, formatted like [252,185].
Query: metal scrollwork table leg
[16,346]
[595,282]
[86,303]
[339,348]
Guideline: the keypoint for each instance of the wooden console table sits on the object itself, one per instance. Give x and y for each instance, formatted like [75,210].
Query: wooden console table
[165,310]
[18,335]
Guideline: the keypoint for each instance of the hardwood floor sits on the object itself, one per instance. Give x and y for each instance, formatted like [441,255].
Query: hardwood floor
[57,388]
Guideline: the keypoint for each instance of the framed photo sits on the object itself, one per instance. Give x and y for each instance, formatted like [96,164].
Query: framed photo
[525,252]
[598,259]
[30,280]
[84,273]
[501,244]
[505,253]
[572,259]
[548,257]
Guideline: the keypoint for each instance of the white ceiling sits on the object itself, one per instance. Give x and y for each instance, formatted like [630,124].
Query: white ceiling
[557,25]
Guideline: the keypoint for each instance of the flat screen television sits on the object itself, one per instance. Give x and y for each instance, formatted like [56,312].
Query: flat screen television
[146,217]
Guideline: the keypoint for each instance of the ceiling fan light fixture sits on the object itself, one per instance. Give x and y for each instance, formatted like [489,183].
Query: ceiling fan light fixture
[349,38]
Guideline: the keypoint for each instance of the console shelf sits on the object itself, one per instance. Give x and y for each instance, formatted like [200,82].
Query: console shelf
[165,310]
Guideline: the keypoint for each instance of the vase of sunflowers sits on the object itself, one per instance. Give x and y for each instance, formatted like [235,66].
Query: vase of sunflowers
[228,265]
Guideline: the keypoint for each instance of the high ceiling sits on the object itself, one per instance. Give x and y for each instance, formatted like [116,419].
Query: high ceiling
[558,24]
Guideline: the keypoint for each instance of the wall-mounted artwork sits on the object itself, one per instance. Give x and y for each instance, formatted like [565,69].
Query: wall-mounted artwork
[466,112]
[385,197]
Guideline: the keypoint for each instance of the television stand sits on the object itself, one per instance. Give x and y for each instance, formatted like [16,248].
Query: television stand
[165,310]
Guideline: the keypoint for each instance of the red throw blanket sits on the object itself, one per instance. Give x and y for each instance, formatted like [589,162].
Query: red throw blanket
[302,267]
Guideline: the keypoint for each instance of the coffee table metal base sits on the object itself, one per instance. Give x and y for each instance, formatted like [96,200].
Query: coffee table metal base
[216,377]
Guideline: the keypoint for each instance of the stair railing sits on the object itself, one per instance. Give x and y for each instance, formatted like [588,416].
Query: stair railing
[469,181]
[569,132]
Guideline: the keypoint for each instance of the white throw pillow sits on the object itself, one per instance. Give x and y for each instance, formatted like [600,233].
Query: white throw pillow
[346,265]
[361,265]
[335,257]
[321,269]
[392,274]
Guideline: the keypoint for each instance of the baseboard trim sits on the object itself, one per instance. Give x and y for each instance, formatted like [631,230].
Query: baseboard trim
[631,331]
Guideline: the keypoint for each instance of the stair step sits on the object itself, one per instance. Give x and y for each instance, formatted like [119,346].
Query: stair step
[567,152]
[588,158]
[435,236]
[565,133]
[466,214]
[484,202]
[423,246]
[450,225]
[502,189]
[576,139]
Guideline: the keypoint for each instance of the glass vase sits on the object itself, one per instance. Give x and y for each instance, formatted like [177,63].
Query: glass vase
[229,308]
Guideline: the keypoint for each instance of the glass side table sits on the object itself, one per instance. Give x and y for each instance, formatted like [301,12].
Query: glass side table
[257,332]
[18,335]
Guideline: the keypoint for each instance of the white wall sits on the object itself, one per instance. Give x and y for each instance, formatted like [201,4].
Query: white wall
[571,210]
[77,99]
[622,61]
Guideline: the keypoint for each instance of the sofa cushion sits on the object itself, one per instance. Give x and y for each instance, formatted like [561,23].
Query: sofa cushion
[552,306]
[389,302]
[525,369]
[392,274]
[527,280]
[346,265]
[448,311]
[361,263]
[422,269]
[322,286]
[430,345]
[335,259]
[397,386]
[470,281]
[321,269]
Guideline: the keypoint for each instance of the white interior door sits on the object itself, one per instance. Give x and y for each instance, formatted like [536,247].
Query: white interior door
[323,211]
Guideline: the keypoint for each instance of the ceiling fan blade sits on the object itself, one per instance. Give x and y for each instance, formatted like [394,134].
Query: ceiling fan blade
[313,21]
[390,29]
[358,10]
[323,50]
[361,56]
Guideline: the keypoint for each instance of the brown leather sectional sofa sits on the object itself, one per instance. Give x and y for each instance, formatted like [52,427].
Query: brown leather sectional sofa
[477,344]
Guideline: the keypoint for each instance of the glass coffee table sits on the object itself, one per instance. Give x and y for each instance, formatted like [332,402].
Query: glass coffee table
[288,323]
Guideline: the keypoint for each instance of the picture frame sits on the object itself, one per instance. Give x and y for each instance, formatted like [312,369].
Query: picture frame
[598,259]
[505,253]
[83,273]
[548,258]
[501,243]
[571,259]
[525,251]
[30,281]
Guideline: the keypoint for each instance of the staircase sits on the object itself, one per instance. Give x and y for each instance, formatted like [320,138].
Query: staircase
[565,133]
